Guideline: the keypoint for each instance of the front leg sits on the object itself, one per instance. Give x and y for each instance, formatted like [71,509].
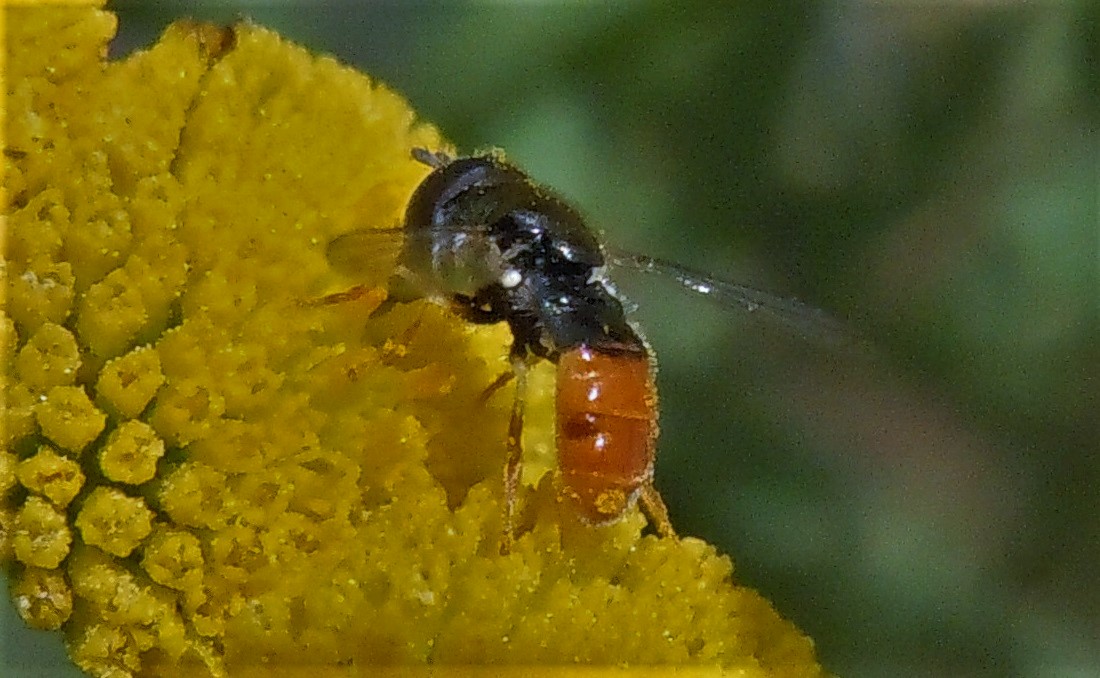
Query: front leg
[513,465]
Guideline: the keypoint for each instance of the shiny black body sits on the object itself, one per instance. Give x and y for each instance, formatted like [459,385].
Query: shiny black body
[497,247]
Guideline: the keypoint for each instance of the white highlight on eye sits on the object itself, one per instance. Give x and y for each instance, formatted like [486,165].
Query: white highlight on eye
[510,278]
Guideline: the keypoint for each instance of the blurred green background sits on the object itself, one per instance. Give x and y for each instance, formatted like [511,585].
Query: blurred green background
[929,173]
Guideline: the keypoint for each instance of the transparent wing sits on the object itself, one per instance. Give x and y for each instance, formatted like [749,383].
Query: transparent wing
[807,320]
[366,255]
[370,257]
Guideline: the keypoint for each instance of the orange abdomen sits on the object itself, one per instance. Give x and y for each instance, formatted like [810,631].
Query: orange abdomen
[607,429]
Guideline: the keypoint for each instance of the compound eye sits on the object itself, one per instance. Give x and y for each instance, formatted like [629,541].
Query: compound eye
[510,278]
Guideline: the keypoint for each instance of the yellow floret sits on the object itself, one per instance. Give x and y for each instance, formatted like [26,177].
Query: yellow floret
[131,453]
[110,315]
[39,245]
[193,495]
[261,479]
[104,650]
[42,293]
[127,384]
[50,358]
[114,521]
[43,597]
[55,477]
[67,417]
[187,410]
[40,534]
[174,559]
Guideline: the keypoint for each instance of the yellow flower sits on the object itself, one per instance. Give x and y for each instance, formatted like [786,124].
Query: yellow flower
[201,466]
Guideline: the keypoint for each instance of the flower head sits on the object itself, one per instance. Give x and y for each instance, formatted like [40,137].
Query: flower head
[202,465]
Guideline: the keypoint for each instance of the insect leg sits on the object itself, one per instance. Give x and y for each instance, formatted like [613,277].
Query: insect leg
[433,159]
[497,384]
[374,294]
[655,509]
[514,463]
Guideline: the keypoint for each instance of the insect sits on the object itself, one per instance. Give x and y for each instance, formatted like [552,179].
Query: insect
[484,239]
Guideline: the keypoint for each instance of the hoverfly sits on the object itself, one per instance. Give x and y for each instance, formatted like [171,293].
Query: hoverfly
[485,240]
